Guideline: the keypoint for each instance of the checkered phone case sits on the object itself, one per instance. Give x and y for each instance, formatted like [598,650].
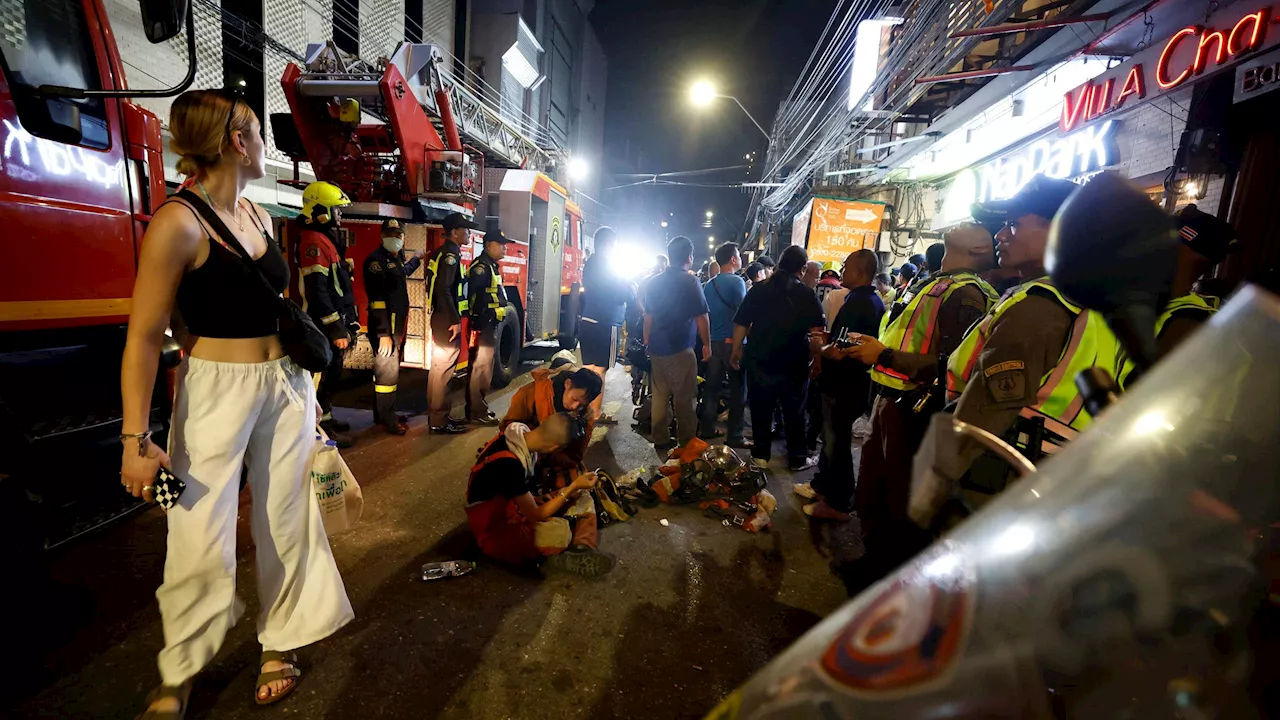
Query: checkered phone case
[167,488]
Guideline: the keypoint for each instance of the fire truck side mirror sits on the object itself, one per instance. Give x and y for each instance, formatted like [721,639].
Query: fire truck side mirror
[163,19]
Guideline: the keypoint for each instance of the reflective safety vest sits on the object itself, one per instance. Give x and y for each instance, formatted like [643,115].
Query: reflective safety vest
[1090,343]
[914,329]
[459,282]
[494,304]
[1206,304]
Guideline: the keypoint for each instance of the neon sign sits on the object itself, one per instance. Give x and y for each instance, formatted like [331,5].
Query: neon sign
[56,158]
[1189,53]
[1080,153]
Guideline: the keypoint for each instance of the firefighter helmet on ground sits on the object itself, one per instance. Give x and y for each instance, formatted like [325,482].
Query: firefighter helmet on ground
[319,199]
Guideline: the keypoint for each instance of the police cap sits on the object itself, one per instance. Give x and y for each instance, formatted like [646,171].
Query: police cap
[496,236]
[1206,234]
[392,225]
[1042,195]
[457,220]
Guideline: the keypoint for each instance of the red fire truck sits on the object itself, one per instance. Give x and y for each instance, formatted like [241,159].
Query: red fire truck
[387,136]
[82,171]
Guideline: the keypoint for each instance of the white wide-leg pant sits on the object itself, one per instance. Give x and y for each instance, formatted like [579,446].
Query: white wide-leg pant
[228,415]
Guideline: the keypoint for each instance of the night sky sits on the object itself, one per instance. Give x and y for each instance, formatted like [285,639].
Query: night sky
[751,49]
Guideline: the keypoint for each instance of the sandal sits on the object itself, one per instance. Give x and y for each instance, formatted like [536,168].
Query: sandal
[292,671]
[181,693]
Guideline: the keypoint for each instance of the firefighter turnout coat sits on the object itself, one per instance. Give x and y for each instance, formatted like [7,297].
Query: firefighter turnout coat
[324,280]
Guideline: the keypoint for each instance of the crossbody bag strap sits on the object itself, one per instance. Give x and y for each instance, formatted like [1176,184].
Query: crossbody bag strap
[221,235]
[716,290]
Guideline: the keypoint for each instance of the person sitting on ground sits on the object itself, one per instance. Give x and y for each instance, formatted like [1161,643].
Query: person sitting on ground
[513,525]
[566,389]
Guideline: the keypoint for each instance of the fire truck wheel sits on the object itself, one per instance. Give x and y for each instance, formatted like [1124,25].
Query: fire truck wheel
[506,358]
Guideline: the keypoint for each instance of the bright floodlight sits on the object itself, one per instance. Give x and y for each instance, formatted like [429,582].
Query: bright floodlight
[702,93]
[578,169]
[710,214]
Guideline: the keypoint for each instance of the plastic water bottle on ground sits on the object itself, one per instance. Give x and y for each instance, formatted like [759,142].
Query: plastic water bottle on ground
[447,569]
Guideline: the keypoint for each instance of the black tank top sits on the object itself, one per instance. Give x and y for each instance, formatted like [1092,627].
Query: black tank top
[225,299]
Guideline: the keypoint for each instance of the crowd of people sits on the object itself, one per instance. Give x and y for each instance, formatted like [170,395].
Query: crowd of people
[787,349]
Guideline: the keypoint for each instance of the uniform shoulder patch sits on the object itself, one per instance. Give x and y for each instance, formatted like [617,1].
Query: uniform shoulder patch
[313,252]
[479,268]
[450,260]
[1007,386]
[375,266]
[1004,367]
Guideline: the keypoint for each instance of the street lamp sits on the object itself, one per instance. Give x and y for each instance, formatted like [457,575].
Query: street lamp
[664,223]
[703,92]
[710,214]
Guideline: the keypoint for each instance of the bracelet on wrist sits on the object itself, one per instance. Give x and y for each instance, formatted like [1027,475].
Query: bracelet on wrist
[143,439]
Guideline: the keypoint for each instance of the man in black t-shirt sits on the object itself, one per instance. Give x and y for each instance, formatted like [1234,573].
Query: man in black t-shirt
[511,518]
[846,388]
[782,317]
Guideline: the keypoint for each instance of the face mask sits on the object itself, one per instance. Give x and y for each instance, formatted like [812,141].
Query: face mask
[392,243]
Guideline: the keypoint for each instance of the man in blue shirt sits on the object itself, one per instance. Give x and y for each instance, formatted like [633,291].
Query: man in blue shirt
[675,316]
[724,293]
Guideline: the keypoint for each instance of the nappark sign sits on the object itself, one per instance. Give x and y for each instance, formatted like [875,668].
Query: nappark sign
[1229,35]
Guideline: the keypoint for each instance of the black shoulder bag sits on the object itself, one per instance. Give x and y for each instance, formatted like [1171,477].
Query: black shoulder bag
[303,342]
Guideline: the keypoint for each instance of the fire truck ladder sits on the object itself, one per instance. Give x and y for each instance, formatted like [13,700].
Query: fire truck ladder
[332,72]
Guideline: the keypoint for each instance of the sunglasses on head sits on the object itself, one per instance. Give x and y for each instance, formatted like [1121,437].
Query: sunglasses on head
[236,96]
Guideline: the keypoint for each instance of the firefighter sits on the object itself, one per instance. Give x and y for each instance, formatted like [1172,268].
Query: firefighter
[1206,241]
[1020,360]
[325,287]
[447,299]
[515,521]
[385,275]
[488,309]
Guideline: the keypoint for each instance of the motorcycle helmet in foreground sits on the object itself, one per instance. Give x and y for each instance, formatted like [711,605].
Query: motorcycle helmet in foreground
[1122,579]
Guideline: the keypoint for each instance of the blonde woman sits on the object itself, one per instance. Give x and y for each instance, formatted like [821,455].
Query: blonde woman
[241,402]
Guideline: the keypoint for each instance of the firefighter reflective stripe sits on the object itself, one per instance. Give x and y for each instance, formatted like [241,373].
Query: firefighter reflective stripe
[384,388]
[1090,344]
[337,285]
[378,305]
[463,306]
[1206,304]
[914,328]
[315,269]
[330,319]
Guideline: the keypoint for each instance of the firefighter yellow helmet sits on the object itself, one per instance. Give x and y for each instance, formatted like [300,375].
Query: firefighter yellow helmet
[319,199]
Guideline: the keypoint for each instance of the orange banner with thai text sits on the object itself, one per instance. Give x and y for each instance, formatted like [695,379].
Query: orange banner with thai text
[838,227]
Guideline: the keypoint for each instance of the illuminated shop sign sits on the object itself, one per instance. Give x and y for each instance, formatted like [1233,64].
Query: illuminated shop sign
[1192,52]
[1078,154]
[1073,157]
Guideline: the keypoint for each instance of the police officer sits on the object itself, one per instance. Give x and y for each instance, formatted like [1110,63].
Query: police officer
[447,298]
[904,363]
[488,308]
[324,284]
[1020,360]
[385,272]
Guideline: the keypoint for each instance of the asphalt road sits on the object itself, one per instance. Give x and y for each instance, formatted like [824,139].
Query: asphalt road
[690,612]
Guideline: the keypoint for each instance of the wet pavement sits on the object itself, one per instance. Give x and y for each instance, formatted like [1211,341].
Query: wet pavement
[692,609]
